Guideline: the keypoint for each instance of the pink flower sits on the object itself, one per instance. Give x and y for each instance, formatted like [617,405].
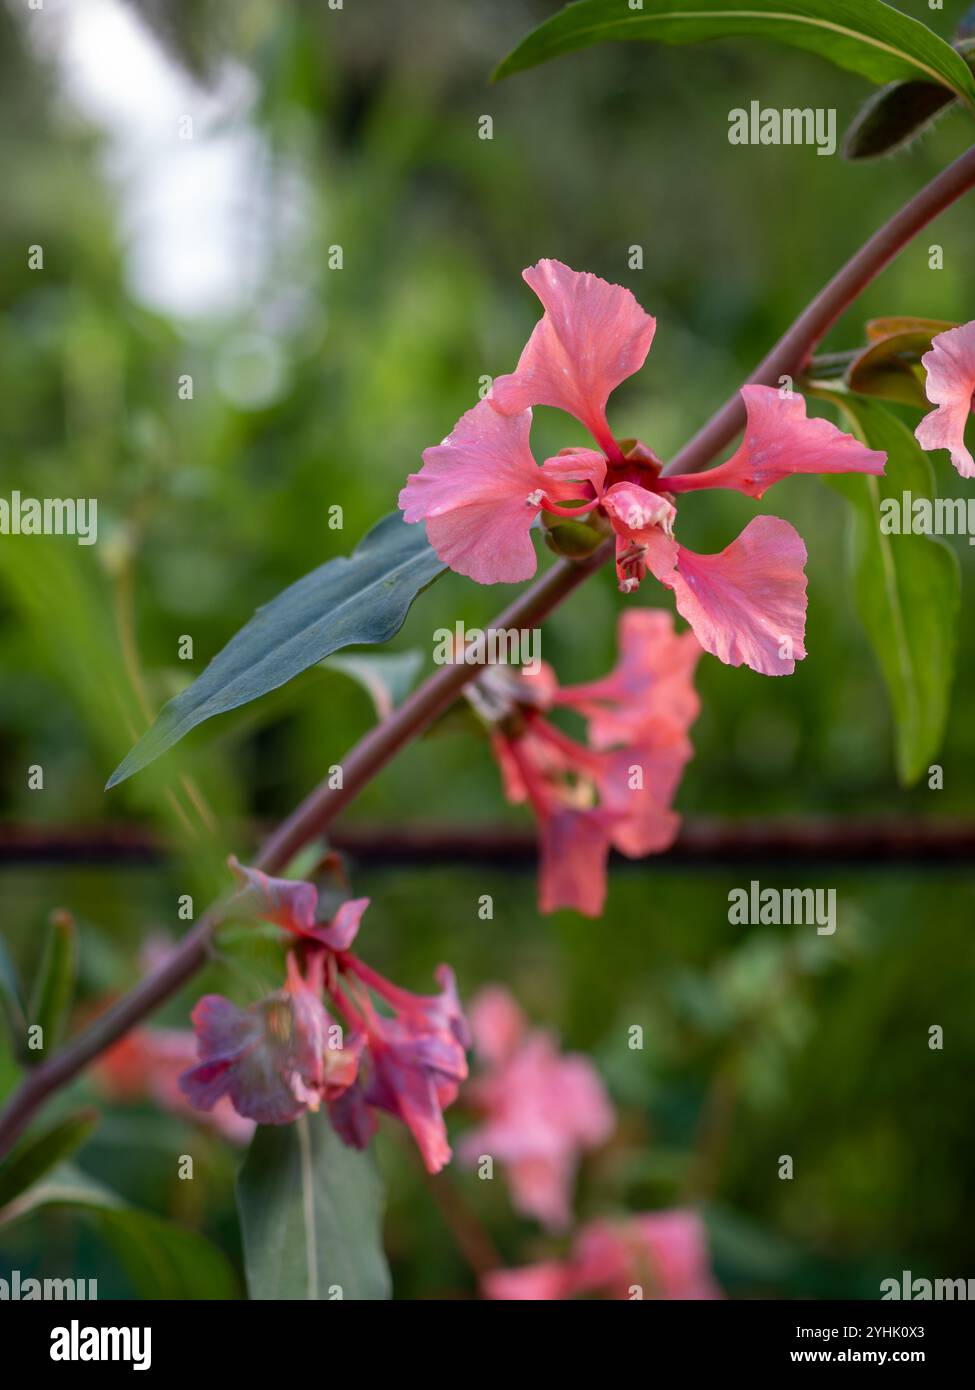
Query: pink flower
[659,1255]
[274,1060]
[148,1062]
[285,1055]
[293,904]
[480,490]
[541,1108]
[616,791]
[950,367]
[415,1060]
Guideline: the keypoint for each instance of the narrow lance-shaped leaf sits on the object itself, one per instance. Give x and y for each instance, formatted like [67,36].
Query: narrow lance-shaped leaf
[866,36]
[54,987]
[10,997]
[906,587]
[39,1153]
[311,1215]
[360,598]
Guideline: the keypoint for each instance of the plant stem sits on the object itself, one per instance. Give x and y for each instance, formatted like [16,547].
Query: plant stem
[794,348]
[416,714]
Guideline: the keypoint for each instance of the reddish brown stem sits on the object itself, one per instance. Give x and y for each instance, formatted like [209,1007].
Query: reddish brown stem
[795,347]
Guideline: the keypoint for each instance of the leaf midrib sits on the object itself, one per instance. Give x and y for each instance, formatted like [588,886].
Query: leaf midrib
[869,40]
[384,580]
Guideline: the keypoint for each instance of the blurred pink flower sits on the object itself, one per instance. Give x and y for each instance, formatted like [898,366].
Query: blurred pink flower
[147,1063]
[541,1108]
[285,1055]
[480,490]
[950,366]
[617,790]
[658,1255]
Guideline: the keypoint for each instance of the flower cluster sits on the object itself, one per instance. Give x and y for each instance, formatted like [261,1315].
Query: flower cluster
[658,1255]
[617,789]
[480,491]
[541,1108]
[286,1054]
[950,367]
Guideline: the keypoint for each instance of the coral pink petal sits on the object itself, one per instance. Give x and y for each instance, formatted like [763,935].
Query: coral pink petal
[653,682]
[748,603]
[496,1023]
[950,366]
[592,336]
[472,492]
[639,784]
[287,902]
[340,933]
[676,1242]
[571,467]
[634,511]
[781,440]
[573,846]
[532,1283]
[541,1187]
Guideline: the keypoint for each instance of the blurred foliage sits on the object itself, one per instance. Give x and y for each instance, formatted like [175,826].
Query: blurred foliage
[320,387]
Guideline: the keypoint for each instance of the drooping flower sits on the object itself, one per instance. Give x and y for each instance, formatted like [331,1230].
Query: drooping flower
[542,1109]
[480,490]
[285,1055]
[617,790]
[416,1059]
[274,1060]
[950,366]
[657,1255]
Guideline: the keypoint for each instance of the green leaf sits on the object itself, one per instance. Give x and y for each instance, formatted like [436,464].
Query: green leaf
[11,997]
[363,597]
[55,984]
[162,1259]
[906,587]
[895,116]
[387,677]
[865,36]
[10,1069]
[36,1155]
[890,366]
[311,1215]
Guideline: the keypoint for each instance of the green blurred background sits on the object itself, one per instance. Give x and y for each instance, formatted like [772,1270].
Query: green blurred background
[313,387]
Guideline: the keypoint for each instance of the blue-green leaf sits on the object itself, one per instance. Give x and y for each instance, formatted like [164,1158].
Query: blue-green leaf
[311,1215]
[866,36]
[10,997]
[34,1156]
[360,598]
